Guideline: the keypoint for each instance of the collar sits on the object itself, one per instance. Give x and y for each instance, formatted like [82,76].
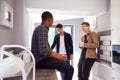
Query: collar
[88,33]
[45,26]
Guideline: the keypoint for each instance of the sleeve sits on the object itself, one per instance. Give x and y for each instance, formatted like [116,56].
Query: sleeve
[95,43]
[44,48]
[81,40]
[71,45]
[54,43]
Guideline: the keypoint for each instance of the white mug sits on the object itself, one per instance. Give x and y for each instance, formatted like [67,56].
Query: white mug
[81,44]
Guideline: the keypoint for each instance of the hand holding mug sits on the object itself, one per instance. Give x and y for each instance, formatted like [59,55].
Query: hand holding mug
[81,45]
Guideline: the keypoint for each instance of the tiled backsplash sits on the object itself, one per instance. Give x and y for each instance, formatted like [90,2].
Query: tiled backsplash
[104,51]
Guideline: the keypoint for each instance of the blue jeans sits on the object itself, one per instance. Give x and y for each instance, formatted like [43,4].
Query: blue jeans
[62,74]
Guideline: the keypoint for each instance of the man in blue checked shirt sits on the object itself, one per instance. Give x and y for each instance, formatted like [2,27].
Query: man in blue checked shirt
[44,56]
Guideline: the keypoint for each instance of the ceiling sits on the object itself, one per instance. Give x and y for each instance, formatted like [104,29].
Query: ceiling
[63,10]
[35,14]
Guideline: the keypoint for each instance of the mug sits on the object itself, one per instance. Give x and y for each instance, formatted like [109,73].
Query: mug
[81,44]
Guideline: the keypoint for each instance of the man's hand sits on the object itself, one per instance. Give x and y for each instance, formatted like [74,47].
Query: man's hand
[71,56]
[62,57]
[82,45]
[85,44]
[58,56]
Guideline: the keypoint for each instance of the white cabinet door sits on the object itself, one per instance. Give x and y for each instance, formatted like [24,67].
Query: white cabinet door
[115,75]
[115,34]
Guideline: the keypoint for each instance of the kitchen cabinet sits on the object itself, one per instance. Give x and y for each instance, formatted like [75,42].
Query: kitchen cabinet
[115,34]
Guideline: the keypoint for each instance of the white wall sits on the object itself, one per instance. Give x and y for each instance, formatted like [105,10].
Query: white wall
[6,34]
[19,22]
[115,21]
[27,27]
[103,21]
[82,7]
[20,31]
[115,14]
[10,2]
[77,30]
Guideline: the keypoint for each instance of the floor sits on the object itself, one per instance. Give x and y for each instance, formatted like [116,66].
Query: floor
[41,74]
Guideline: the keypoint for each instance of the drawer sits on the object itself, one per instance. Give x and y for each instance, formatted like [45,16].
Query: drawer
[115,75]
[116,67]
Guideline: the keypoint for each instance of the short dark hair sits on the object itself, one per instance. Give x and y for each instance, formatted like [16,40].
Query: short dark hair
[46,15]
[85,23]
[59,26]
